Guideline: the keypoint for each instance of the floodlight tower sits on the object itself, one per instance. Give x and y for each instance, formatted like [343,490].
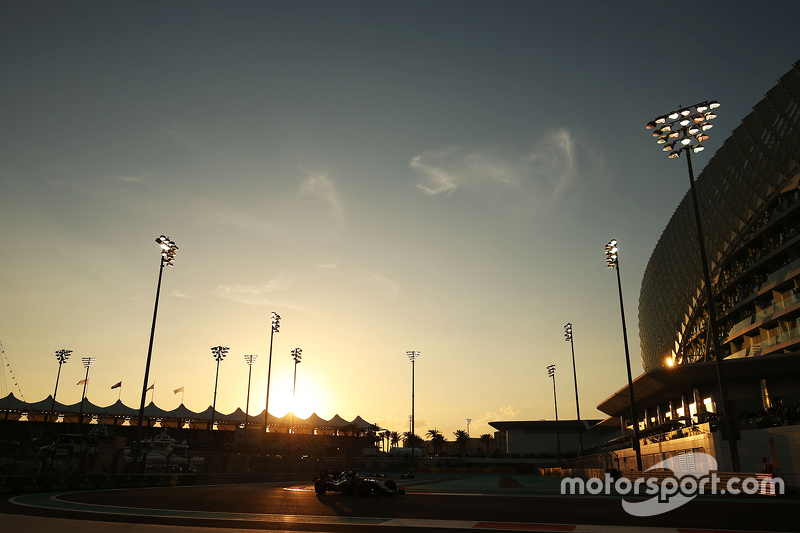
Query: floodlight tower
[612,261]
[276,326]
[250,359]
[568,335]
[551,372]
[168,250]
[219,353]
[297,355]
[62,356]
[689,129]
[87,363]
[412,356]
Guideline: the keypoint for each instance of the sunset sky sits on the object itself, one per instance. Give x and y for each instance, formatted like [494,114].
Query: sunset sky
[387,176]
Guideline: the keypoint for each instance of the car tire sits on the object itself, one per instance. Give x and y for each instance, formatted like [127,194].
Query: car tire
[320,486]
[391,485]
[362,489]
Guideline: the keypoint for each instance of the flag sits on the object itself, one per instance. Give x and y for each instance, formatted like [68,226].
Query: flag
[176,391]
[82,382]
[117,385]
[153,386]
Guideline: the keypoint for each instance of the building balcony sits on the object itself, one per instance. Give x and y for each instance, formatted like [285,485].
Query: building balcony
[782,341]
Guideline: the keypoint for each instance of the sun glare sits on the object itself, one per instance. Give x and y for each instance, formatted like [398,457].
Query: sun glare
[309,399]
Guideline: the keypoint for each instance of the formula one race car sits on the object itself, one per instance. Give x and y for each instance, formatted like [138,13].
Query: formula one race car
[351,483]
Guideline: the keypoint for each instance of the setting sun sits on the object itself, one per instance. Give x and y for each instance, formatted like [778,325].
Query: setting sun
[309,398]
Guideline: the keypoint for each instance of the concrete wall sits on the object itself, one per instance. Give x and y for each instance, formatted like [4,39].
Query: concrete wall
[753,446]
[522,442]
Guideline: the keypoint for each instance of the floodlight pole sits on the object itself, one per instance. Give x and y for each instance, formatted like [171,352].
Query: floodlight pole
[298,357]
[62,356]
[149,357]
[87,362]
[612,261]
[551,372]
[688,133]
[729,419]
[276,324]
[219,353]
[168,250]
[568,333]
[250,360]
[413,355]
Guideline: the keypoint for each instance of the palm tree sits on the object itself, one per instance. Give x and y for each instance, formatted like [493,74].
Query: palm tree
[462,439]
[394,438]
[487,439]
[372,432]
[412,440]
[438,441]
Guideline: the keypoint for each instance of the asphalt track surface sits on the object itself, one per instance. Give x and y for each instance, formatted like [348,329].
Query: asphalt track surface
[434,503]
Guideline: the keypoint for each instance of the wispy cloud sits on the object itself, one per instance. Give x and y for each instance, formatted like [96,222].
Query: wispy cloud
[396,422]
[178,294]
[191,143]
[505,413]
[256,294]
[420,423]
[391,286]
[440,169]
[548,169]
[129,179]
[509,411]
[319,187]
[230,216]
[553,164]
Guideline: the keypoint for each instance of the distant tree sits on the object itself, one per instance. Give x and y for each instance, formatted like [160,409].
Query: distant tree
[394,438]
[385,439]
[412,440]
[487,439]
[462,439]
[437,439]
[372,432]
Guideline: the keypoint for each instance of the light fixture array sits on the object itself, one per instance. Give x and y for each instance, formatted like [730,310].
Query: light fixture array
[219,352]
[168,249]
[684,129]
[611,253]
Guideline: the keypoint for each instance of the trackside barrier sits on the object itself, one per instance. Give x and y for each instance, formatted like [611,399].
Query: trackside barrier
[14,484]
[724,477]
[221,479]
[463,470]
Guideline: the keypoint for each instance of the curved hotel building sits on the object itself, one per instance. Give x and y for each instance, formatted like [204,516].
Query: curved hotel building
[749,203]
[750,210]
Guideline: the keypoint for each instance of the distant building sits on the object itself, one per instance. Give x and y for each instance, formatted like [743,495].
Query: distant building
[542,437]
